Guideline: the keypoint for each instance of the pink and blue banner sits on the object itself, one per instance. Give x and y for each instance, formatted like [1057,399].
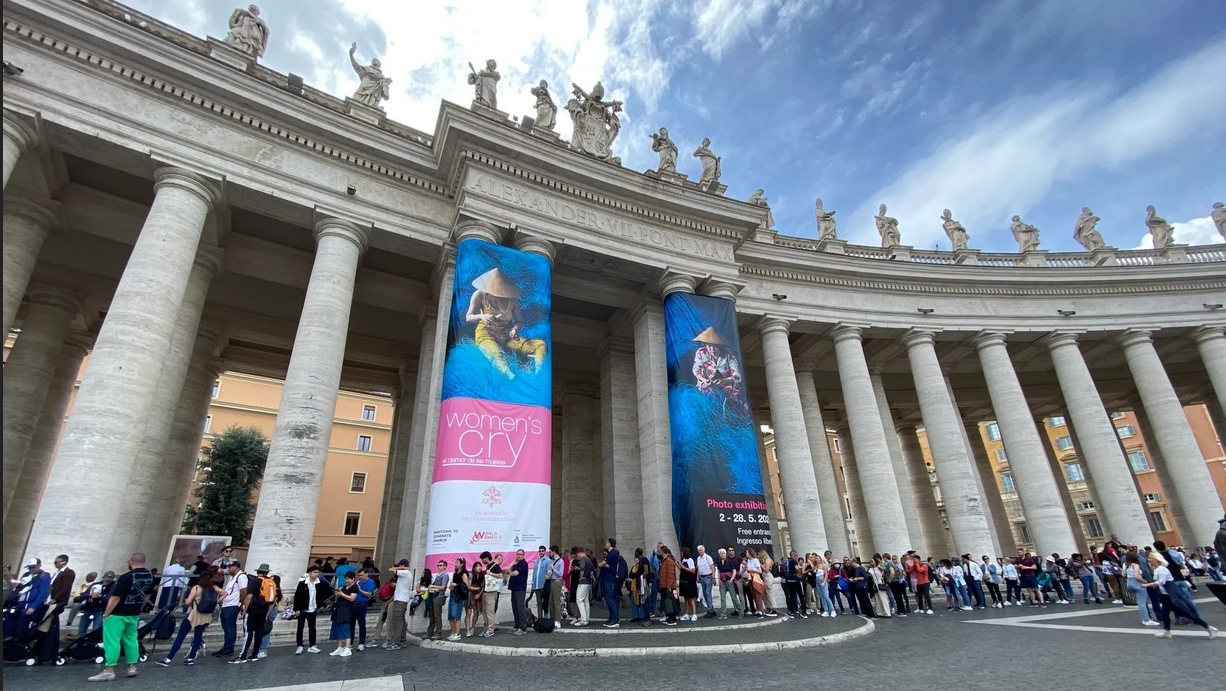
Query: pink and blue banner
[492,459]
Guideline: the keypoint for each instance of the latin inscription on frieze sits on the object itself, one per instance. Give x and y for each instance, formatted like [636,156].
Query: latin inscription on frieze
[589,218]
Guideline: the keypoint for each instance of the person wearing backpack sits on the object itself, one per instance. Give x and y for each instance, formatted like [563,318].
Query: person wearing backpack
[201,603]
[261,594]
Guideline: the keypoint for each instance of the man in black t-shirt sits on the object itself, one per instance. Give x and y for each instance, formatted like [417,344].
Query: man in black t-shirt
[120,619]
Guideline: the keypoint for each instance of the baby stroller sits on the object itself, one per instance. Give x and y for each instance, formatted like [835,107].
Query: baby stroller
[89,646]
[29,644]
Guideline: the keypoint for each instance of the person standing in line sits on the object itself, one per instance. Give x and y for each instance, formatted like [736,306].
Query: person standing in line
[896,581]
[540,581]
[727,571]
[402,595]
[517,584]
[557,572]
[74,605]
[653,588]
[174,581]
[92,603]
[224,561]
[1013,590]
[820,568]
[201,602]
[231,605]
[793,586]
[436,596]
[688,586]
[476,598]
[669,580]
[877,589]
[309,595]
[1135,581]
[974,580]
[274,608]
[121,618]
[458,589]
[1163,578]
[62,580]
[489,593]
[342,614]
[613,567]
[706,580]
[261,594]
[361,606]
[1085,574]
[768,582]
[992,579]
[858,577]
[583,572]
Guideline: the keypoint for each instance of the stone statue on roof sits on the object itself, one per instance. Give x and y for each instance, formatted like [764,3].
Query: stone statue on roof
[374,87]
[826,227]
[957,234]
[546,109]
[1027,236]
[1162,232]
[1086,232]
[485,84]
[663,145]
[248,32]
[711,171]
[1219,218]
[595,122]
[887,228]
[758,200]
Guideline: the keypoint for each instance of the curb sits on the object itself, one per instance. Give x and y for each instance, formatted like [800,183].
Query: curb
[654,651]
[661,629]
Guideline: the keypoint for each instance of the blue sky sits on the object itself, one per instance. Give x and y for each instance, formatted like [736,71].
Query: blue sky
[988,108]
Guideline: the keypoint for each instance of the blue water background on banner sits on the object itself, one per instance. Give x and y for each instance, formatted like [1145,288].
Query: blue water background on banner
[469,372]
[714,443]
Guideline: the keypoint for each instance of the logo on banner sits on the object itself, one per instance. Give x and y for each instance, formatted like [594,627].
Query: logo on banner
[492,497]
[485,537]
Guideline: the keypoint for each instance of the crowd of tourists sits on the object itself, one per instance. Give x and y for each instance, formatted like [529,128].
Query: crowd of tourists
[555,588]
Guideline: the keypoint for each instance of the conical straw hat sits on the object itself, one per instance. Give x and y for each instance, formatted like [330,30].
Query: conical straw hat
[710,336]
[496,283]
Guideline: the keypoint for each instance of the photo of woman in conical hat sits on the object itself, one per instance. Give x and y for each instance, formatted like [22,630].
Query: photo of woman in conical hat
[494,308]
[716,368]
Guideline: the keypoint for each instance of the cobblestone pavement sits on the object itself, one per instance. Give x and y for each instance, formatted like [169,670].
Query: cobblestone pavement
[971,650]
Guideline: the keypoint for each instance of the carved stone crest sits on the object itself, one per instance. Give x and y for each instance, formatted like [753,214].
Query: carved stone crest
[595,123]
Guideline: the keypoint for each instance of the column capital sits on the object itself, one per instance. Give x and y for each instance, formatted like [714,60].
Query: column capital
[1059,339]
[1208,332]
[721,288]
[985,339]
[471,228]
[51,294]
[1133,337]
[327,226]
[212,335]
[19,134]
[209,258]
[843,332]
[674,282]
[174,176]
[770,323]
[805,366]
[916,337]
[534,245]
[79,339]
[43,212]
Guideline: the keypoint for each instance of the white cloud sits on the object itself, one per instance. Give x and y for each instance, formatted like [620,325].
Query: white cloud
[721,24]
[1198,231]
[1011,159]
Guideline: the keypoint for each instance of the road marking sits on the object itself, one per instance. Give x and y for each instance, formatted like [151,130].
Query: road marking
[387,683]
[1035,621]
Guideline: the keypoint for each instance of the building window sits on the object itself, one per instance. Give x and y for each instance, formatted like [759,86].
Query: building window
[1093,527]
[216,387]
[1153,496]
[1006,481]
[993,431]
[368,412]
[1137,458]
[838,448]
[1085,505]
[208,423]
[1159,521]
[1056,421]
[353,521]
[1001,456]
[1117,416]
[1023,530]
[1125,431]
[1074,473]
[363,442]
[357,483]
[1064,443]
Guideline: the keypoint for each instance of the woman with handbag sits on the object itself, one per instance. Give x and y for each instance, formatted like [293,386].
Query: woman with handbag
[755,584]
[688,586]
[457,597]
[668,587]
[877,589]
[823,592]
[476,595]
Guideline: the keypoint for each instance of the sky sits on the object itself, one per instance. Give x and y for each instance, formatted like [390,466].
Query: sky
[990,109]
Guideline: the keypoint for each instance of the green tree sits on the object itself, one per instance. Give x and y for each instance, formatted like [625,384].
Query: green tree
[225,498]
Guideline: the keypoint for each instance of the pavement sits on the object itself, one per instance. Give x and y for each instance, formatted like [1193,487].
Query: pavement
[1072,646]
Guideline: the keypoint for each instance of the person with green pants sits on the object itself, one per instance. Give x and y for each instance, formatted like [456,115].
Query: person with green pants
[121,618]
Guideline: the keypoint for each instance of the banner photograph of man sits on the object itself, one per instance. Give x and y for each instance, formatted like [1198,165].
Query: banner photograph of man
[494,308]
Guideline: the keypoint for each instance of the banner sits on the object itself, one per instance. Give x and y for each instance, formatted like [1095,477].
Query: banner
[718,497]
[491,482]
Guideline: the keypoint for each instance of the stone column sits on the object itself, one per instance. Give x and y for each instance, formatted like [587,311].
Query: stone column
[1067,505]
[28,374]
[655,438]
[621,470]
[805,525]
[1032,474]
[1174,507]
[935,536]
[855,498]
[41,449]
[27,223]
[1193,485]
[963,503]
[424,425]
[823,465]
[289,496]
[1211,343]
[1217,414]
[582,510]
[18,139]
[874,465]
[183,449]
[1098,444]
[397,469]
[115,399]
[994,504]
[147,476]
[909,502]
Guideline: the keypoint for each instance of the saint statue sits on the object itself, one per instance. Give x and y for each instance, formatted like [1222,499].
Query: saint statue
[1162,232]
[1086,230]
[825,222]
[661,144]
[710,164]
[485,83]
[888,228]
[247,31]
[1027,236]
[374,87]
[494,308]
[1219,218]
[758,200]
[717,371]
[957,234]
[595,122]
[546,110]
